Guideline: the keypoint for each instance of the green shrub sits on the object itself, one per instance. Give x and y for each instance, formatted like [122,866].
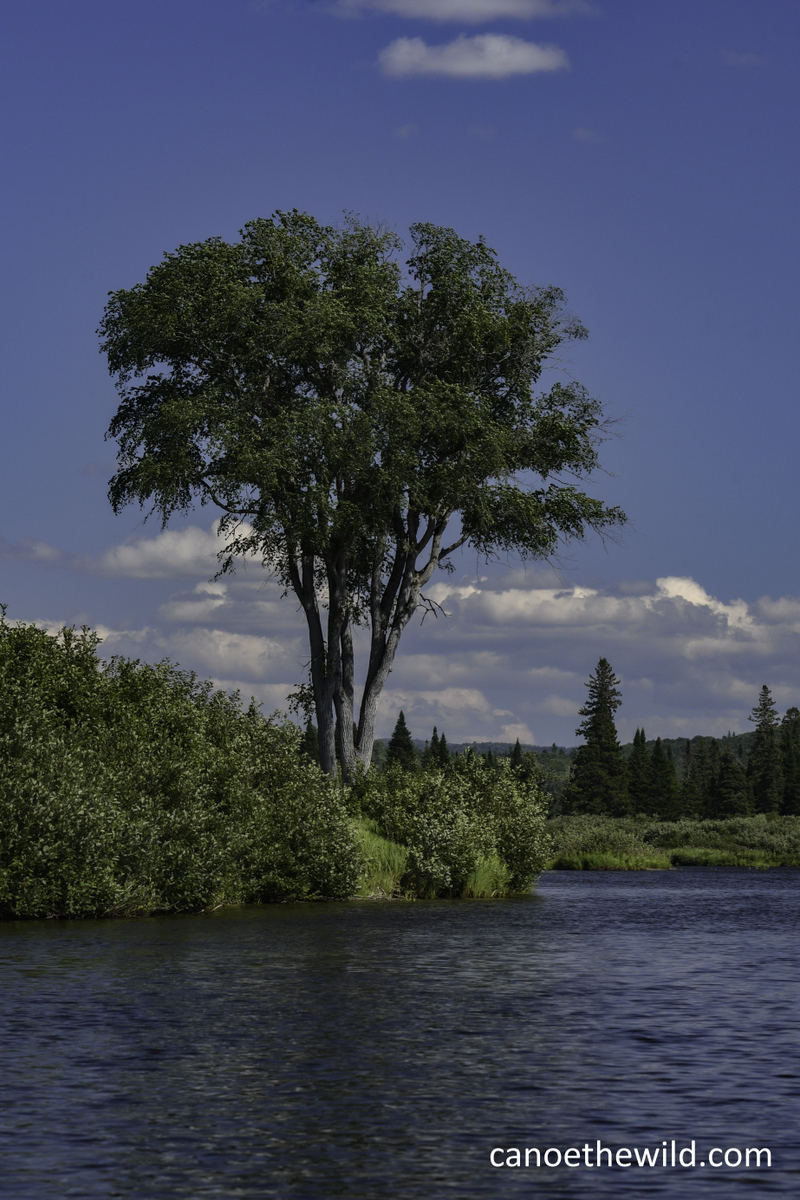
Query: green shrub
[128,788]
[759,841]
[453,821]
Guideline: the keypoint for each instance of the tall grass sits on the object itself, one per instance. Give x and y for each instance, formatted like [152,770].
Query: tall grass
[595,843]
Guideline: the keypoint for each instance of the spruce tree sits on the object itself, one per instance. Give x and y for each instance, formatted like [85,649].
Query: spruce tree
[790,761]
[691,795]
[516,755]
[430,755]
[764,764]
[639,774]
[444,752]
[401,748]
[599,779]
[730,796]
[663,799]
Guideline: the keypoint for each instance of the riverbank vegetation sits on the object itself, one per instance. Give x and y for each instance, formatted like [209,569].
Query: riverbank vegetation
[464,830]
[588,842]
[128,788]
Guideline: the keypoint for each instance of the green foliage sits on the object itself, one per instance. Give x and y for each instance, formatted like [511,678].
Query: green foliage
[127,788]
[341,408]
[729,794]
[597,842]
[599,780]
[790,760]
[639,774]
[664,795]
[383,863]
[401,752]
[610,862]
[452,821]
[489,878]
[310,742]
[764,764]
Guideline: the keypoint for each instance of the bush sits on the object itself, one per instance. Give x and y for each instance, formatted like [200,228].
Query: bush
[127,788]
[595,841]
[465,829]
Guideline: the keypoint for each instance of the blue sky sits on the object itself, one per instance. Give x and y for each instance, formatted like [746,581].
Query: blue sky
[643,156]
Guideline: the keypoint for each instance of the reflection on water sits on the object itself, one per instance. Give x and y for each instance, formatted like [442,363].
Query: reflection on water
[382,1050]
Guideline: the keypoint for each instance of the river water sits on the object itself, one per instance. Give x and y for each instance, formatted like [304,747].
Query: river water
[369,1050]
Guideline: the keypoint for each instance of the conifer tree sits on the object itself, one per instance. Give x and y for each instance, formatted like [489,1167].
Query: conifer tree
[430,755]
[663,799]
[599,778]
[790,761]
[639,774]
[731,796]
[691,796]
[401,748]
[444,752]
[764,764]
[711,777]
[516,755]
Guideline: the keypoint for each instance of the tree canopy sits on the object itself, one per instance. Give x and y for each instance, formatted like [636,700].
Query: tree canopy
[356,419]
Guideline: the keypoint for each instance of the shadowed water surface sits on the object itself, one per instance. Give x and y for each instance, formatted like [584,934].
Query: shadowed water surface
[382,1050]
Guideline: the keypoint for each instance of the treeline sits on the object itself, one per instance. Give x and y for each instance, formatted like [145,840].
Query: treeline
[759,774]
[402,753]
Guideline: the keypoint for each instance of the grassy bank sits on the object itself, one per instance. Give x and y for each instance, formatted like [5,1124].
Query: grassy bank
[589,843]
[385,870]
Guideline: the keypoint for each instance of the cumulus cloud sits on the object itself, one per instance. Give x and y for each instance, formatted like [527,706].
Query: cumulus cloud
[690,662]
[464,11]
[515,650]
[486,56]
[169,555]
[221,653]
[175,552]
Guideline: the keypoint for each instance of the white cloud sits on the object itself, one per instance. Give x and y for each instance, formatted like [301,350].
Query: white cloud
[515,651]
[31,550]
[174,552]
[521,731]
[464,11]
[223,653]
[486,56]
[689,662]
[680,588]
